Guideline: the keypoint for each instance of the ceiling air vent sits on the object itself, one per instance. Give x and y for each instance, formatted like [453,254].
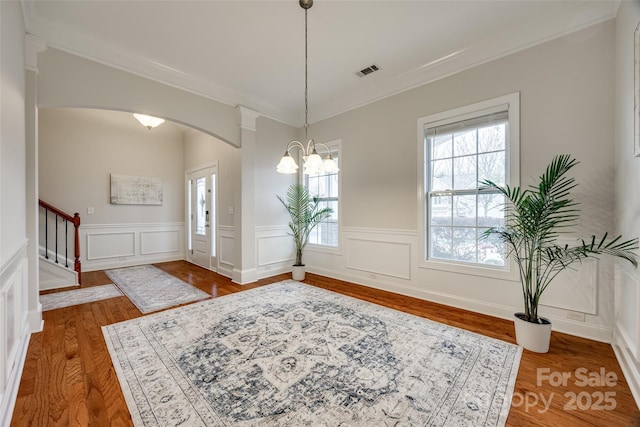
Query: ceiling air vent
[370,69]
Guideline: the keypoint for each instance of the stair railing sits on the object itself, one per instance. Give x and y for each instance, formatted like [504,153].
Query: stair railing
[66,219]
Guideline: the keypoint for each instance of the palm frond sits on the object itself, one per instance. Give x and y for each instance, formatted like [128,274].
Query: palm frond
[305,214]
[535,218]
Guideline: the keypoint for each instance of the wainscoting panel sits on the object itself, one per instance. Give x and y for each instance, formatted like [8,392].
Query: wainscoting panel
[389,259]
[121,245]
[274,245]
[14,333]
[11,294]
[626,337]
[626,309]
[386,257]
[14,312]
[159,242]
[575,290]
[226,250]
[275,250]
[110,245]
[3,343]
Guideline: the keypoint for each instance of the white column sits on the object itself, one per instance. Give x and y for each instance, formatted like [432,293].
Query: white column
[245,268]
[33,46]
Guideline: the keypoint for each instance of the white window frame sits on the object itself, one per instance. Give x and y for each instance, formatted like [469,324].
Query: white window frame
[512,103]
[335,145]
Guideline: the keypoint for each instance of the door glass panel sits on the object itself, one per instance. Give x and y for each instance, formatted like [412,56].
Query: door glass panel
[213,215]
[201,198]
[189,215]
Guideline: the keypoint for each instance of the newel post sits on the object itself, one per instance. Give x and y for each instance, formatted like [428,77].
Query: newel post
[76,265]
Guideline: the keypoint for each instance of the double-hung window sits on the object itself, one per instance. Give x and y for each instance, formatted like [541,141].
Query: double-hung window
[326,187]
[461,148]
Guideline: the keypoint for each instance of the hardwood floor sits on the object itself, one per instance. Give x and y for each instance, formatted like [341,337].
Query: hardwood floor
[68,378]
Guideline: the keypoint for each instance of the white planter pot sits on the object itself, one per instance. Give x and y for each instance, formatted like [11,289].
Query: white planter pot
[533,336]
[298,272]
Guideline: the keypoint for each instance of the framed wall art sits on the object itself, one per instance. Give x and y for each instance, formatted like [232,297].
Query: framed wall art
[135,190]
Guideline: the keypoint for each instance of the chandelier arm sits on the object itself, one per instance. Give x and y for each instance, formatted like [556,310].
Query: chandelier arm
[293,144]
[325,146]
[310,147]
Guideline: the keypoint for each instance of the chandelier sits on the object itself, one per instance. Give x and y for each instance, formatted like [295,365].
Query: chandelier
[313,163]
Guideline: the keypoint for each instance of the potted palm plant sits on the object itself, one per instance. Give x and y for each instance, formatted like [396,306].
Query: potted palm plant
[535,218]
[305,214]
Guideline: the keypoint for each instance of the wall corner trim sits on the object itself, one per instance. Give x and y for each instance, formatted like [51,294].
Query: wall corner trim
[248,117]
[32,47]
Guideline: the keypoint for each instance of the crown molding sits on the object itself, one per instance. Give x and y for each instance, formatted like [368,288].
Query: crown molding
[505,44]
[28,12]
[509,42]
[88,47]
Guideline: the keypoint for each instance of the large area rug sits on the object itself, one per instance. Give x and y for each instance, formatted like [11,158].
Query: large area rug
[289,354]
[151,289]
[78,296]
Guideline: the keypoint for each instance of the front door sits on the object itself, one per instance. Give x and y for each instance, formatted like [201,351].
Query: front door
[201,215]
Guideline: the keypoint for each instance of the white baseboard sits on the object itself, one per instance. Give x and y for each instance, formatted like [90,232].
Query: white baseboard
[225,271]
[627,364]
[13,383]
[581,329]
[116,263]
[35,323]
[243,277]
[273,270]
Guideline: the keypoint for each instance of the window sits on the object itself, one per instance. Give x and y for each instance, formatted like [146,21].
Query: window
[326,186]
[461,148]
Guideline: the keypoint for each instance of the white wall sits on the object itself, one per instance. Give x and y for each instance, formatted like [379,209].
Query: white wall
[566,88]
[12,207]
[79,149]
[202,150]
[274,246]
[627,294]
[15,294]
[271,141]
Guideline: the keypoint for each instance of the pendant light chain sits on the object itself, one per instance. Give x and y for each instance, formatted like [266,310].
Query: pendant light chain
[306,79]
[314,164]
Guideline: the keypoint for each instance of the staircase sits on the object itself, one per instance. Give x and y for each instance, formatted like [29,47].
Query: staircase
[59,236]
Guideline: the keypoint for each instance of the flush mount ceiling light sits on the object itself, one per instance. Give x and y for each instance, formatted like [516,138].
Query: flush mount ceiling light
[313,163]
[148,121]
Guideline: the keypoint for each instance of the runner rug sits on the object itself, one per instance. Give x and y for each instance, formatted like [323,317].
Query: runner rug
[289,354]
[78,296]
[151,289]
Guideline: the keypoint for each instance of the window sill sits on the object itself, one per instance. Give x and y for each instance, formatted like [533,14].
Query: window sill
[332,250]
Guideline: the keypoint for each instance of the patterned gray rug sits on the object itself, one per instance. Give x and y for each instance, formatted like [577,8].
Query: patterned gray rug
[151,289]
[78,296]
[289,354]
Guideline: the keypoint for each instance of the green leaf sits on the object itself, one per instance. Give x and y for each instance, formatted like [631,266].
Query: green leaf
[535,219]
[305,214]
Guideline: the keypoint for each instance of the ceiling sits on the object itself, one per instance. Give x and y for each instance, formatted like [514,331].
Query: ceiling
[252,52]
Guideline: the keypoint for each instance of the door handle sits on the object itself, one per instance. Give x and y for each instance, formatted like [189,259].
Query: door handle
[207,216]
